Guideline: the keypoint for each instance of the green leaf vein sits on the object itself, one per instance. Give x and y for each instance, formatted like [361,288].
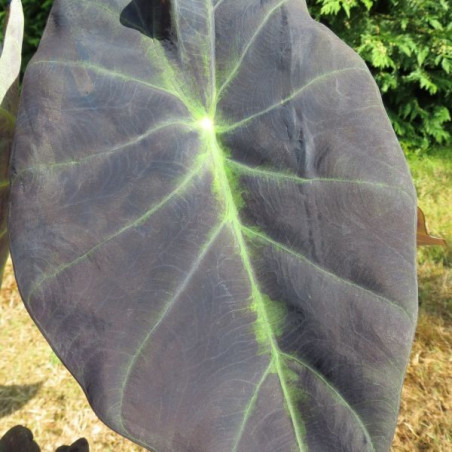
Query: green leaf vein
[319,79]
[90,157]
[250,406]
[109,73]
[137,222]
[231,214]
[279,246]
[335,393]
[279,176]
[251,41]
[166,310]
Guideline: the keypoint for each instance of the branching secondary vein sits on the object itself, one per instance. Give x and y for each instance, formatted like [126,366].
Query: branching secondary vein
[250,42]
[279,176]
[218,4]
[335,393]
[91,157]
[263,237]
[251,405]
[109,73]
[180,188]
[299,91]
[165,311]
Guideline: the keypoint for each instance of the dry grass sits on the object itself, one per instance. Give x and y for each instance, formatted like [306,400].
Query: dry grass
[37,391]
[425,421]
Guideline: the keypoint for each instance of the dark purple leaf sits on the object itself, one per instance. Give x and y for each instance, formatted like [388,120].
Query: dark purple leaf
[214,226]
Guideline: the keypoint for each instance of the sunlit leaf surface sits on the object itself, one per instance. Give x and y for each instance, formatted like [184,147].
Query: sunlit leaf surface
[214,226]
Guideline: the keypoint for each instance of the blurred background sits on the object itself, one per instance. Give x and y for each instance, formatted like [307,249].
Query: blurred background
[407,45]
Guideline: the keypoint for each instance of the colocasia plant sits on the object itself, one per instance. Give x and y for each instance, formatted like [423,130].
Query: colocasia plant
[213,224]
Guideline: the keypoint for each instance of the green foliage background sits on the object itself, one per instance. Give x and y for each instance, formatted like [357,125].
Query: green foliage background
[407,45]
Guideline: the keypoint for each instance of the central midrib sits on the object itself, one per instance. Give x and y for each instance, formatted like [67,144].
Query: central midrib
[232,216]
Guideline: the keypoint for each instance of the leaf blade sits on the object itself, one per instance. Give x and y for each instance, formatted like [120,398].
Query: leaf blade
[302,156]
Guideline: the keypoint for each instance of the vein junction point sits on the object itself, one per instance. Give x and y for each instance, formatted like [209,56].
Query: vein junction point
[206,123]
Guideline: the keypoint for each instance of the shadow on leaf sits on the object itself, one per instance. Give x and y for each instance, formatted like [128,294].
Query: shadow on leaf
[150,17]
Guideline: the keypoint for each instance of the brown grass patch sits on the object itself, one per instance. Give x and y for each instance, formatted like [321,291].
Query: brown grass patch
[425,420]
